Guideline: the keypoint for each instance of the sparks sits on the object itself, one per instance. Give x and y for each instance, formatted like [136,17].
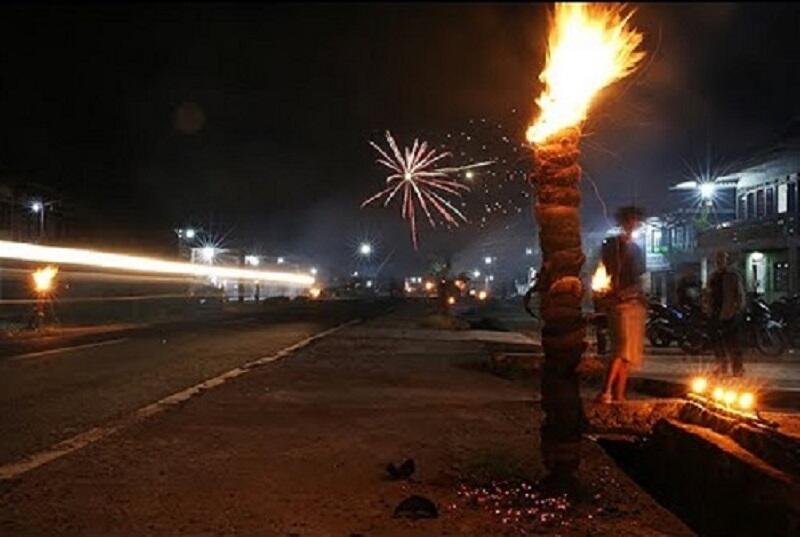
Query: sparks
[590,46]
[421,183]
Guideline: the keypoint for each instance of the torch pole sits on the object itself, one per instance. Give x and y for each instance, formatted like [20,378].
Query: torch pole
[555,183]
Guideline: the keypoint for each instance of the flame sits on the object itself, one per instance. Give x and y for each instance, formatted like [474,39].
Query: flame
[43,278]
[601,280]
[590,46]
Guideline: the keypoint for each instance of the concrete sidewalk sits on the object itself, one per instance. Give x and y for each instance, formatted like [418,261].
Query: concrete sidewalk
[299,447]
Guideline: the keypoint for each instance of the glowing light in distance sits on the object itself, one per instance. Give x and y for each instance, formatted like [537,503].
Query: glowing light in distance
[315,292]
[476,274]
[589,47]
[365,248]
[487,260]
[707,190]
[91,258]
[43,278]
[482,295]
[208,253]
[369,283]
[470,174]
[699,385]
[313,271]
[718,394]
[190,233]
[730,397]
[746,401]
[252,260]
[451,300]
[528,251]
[36,206]
[429,286]
[757,256]
[281,260]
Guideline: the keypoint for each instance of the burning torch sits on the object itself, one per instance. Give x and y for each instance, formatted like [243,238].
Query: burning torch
[43,280]
[590,46]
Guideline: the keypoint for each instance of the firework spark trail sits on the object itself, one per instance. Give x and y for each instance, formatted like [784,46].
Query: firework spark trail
[422,183]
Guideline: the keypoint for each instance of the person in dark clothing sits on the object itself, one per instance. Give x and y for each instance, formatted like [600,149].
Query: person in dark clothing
[727,300]
[626,304]
[688,290]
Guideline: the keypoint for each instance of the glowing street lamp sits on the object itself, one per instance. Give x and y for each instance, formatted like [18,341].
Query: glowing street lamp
[707,190]
[208,253]
[313,271]
[365,249]
[281,260]
[190,233]
[476,273]
[487,260]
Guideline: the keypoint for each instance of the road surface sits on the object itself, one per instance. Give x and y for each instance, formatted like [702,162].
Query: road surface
[52,392]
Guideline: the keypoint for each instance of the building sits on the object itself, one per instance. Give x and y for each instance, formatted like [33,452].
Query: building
[763,236]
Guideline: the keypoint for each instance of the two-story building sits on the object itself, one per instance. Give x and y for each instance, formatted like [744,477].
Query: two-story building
[763,236]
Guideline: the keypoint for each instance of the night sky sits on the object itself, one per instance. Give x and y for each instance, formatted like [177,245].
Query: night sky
[255,119]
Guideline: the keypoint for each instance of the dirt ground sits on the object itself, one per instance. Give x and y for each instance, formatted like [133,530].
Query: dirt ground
[299,448]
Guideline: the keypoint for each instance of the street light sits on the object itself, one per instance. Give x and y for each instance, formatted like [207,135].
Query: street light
[313,271]
[208,253]
[487,260]
[528,251]
[40,207]
[707,190]
[365,249]
[281,260]
[190,233]
[476,273]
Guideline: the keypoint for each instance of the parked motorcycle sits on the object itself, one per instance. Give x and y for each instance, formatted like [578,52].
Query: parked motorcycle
[691,329]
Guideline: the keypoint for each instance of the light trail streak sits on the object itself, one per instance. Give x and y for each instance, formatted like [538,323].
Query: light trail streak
[77,256]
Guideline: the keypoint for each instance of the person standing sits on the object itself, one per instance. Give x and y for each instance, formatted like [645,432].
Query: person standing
[727,300]
[626,304]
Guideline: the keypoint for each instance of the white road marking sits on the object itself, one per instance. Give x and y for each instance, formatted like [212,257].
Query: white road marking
[65,349]
[240,321]
[81,440]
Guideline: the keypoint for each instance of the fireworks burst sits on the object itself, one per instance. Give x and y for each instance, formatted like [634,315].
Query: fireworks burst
[421,183]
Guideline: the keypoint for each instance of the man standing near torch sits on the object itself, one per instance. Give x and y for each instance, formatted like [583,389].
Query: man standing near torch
[626,304]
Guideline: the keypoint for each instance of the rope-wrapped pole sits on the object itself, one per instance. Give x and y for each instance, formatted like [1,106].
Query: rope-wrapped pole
[556,192]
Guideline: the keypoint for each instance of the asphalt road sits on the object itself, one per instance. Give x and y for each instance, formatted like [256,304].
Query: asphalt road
[52,392]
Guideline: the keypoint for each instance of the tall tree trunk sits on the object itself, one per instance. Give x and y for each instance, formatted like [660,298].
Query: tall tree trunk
[555,182]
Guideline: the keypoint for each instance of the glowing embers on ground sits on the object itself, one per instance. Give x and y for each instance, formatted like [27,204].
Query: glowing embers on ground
[91,258]
[729,395]
[517,504]
[422,183]
[590,46]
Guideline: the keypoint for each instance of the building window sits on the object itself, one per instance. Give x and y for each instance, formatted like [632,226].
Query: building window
[782,201]
[780,277]
[760,205]
[770,201]
[741,208]
[791,197]
[751,205]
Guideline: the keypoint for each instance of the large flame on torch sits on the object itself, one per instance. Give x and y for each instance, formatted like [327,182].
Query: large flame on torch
[589,47]
[601,280]
[43,279]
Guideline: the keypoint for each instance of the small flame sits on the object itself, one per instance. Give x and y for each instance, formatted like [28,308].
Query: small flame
[590,46]
[43,278]
[601,280]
